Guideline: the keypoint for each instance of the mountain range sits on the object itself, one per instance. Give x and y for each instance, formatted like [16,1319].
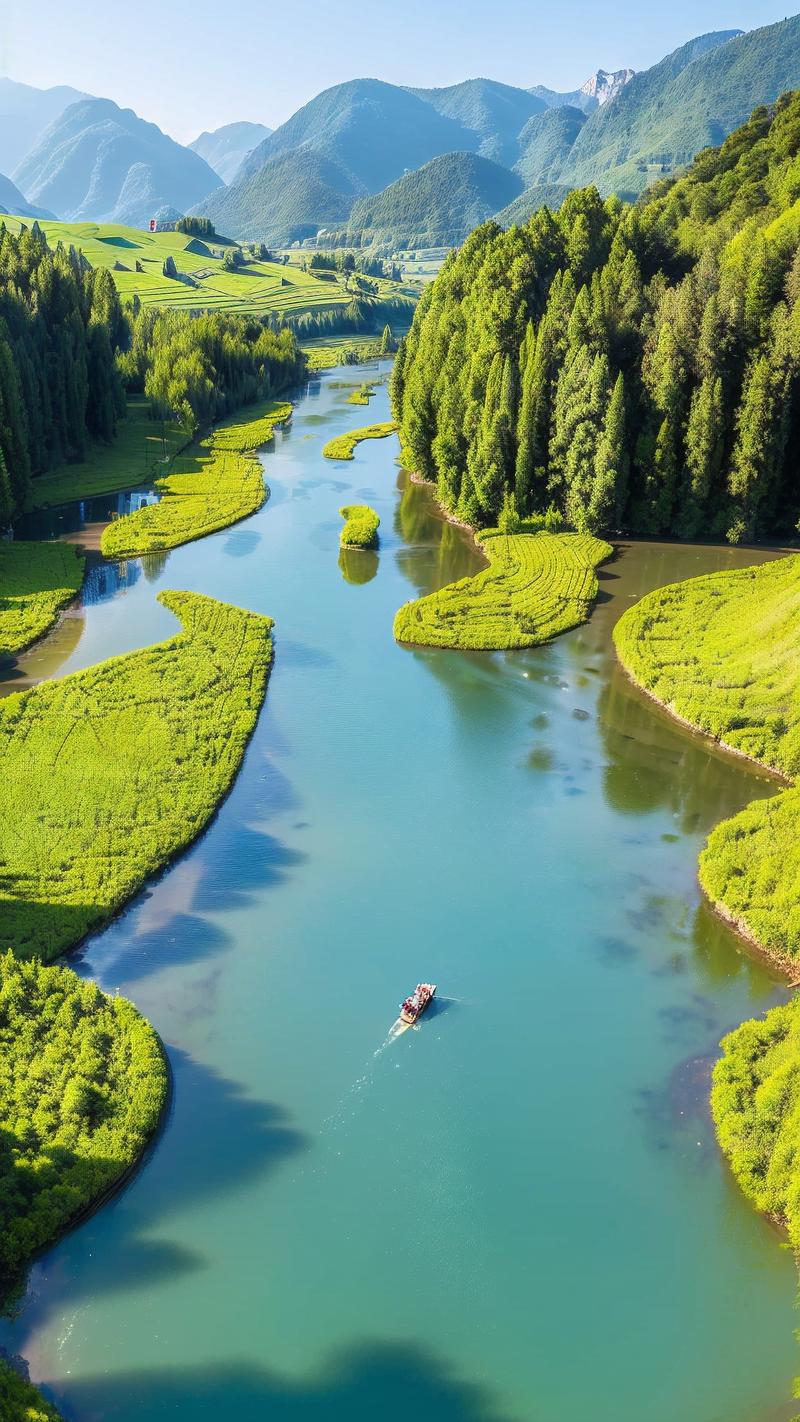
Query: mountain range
[364,158]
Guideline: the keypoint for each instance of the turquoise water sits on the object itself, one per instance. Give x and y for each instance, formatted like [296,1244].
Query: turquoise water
[516,1213]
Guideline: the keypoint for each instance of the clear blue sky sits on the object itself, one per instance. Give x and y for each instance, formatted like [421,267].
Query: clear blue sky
[184,65]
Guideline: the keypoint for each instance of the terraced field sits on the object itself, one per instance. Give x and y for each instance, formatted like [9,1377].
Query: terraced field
[114,770]
[216,483]
[36,581]
[536,586]
[721,652]
[260,287]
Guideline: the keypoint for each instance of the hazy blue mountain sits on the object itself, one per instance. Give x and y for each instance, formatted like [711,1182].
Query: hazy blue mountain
[224,149]
[25,113]
[599,89]
[375,131]
[437,205]
[546,143]
[11,200]
[494,112]
[284,199]
[693,98]
[100,162]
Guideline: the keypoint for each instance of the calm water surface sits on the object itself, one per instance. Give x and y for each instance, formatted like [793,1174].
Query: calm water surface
[516,1213]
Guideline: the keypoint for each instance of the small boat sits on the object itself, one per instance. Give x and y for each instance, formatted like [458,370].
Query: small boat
[415,1005]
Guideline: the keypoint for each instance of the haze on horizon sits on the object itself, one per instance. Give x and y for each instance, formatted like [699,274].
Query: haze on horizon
[181,67]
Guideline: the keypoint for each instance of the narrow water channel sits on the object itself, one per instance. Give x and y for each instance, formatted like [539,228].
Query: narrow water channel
[518,1212]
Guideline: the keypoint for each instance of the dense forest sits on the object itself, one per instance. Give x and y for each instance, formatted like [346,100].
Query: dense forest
[69,351]
[635,366]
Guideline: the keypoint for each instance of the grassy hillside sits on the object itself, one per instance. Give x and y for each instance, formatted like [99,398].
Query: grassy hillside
[693,98]
[103,163]
[259,287]
[536,586]
[438,205]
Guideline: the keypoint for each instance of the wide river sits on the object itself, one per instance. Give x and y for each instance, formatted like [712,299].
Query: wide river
[518,1212]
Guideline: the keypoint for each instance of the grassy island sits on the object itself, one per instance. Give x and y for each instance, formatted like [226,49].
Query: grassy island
[83,1083]
[114,770]
[216,483]
[720,652]
[362,395]
[20,1401]
[755,1101]
[361,526]
[37,580]
[536,585]
[342,446]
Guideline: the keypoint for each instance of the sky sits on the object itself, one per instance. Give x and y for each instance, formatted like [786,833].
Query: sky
[186,67]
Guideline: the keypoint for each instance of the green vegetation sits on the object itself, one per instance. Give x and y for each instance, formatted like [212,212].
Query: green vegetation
[437,205]
[536,585]
[19,1399]
[755,1101]
[329,351]
[83,1082]
[640,366]
[215,484]
[114,770]
[361,526]
[343,446]
[36,581]
[362,395]
[141,449]
[720,652]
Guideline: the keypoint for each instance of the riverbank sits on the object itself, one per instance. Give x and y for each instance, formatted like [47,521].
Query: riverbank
[37,582]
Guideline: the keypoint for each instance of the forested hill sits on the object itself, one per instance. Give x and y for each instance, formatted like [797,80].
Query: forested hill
[437,205]
[638,367]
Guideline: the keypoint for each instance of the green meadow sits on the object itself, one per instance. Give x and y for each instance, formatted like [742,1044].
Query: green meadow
[114,770]
[142,449]
[261,288]
[536,586]
[216,483]
[36,581]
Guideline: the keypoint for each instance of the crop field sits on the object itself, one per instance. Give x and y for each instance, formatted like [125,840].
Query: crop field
[259,287]
[114,770]
[218,482]
[721,651]
[755,1102]
[82,1086]
[343,446]
[141,451]
[36,581]
[536,586]
[360,527]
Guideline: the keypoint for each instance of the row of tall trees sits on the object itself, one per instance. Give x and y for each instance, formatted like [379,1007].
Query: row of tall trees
[69,351]
[637,367]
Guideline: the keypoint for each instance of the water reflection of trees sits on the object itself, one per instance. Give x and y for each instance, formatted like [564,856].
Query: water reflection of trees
[358,565]
[437,551]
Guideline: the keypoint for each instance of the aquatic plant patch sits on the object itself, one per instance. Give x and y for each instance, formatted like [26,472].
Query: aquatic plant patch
[114,770]
[37,580]
[218,482]
[360,528]
[83,1081]
[362,395]
[536,586]
[343,446]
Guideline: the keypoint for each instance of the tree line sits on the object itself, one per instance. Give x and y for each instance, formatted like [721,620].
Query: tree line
[634,367]
[70,351]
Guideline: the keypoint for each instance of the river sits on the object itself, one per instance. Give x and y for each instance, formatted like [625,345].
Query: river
[516,1213]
